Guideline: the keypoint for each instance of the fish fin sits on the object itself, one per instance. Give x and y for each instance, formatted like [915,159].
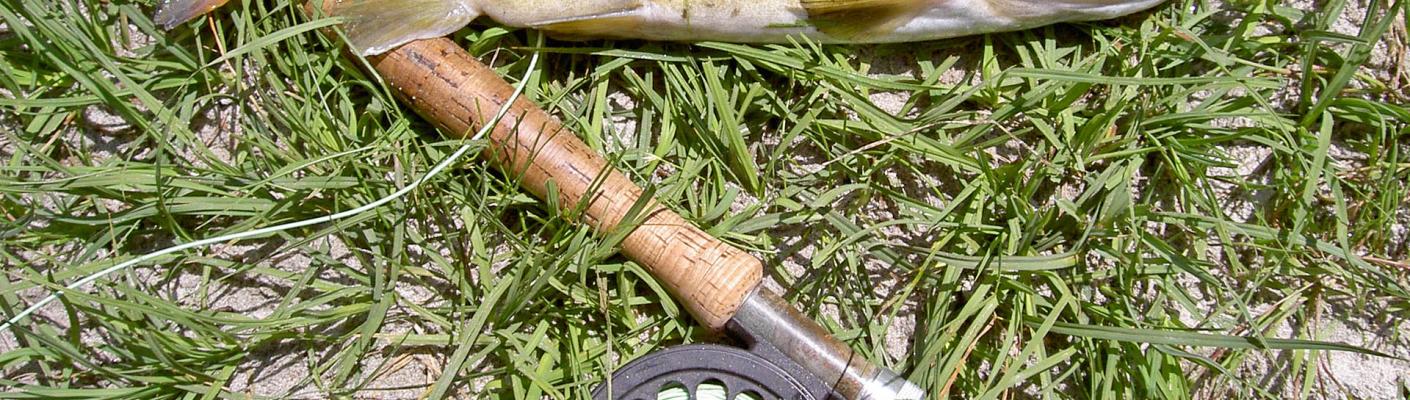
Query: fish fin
[854,19]
[175,12]
[377,26]
[611,24]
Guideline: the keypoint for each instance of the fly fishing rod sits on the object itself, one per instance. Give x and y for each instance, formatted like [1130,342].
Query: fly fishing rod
[787,355]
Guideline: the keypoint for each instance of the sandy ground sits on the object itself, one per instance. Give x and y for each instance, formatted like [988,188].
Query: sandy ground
[280,372]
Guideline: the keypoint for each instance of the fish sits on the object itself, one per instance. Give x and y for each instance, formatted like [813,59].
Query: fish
[377,26]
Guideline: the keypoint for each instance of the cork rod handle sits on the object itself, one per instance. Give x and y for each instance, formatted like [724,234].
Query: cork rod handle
[459,94]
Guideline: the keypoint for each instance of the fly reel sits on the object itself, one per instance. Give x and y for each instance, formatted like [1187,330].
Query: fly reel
[759,373]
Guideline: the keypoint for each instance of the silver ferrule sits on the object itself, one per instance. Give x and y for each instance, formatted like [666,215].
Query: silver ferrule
[766,317]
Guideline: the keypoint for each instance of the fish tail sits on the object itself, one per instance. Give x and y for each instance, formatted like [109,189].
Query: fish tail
[372,26]
[175,12]
[377,26]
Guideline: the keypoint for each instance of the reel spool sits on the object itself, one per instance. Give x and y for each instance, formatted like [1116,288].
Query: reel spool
[761,373]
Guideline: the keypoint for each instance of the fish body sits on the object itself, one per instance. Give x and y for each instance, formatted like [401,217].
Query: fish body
[375,26]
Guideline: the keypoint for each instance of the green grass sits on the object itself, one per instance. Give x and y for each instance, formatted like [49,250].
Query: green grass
[1046,213]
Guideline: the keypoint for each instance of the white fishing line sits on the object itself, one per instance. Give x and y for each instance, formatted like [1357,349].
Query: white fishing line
[446,163]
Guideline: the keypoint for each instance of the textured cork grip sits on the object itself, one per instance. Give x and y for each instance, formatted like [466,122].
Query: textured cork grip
[459,94]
